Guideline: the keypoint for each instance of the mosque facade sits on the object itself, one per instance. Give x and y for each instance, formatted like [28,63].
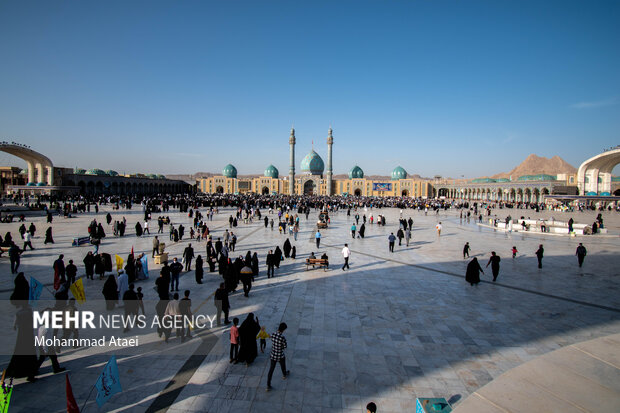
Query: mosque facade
[315,179]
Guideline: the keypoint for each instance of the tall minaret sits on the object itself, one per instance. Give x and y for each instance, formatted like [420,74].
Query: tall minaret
[330,142]
[291,170]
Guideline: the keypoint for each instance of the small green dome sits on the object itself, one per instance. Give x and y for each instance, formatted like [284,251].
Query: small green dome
[97,172]
[356,173]
[482,181]
[151,176]
[41,184]
[398,173]
[313,164]
[79,171]
[229,171]
[160,176]
[111,172]
[272,172]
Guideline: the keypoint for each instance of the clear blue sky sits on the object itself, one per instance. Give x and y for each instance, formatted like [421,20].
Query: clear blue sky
[440,87]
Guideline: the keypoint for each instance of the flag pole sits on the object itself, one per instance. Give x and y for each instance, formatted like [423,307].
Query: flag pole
[91,392]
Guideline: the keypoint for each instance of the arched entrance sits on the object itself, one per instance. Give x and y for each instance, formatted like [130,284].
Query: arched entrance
[404,193]
[219,190]
[617,192]
[309,188]
[358,192]
[265,191]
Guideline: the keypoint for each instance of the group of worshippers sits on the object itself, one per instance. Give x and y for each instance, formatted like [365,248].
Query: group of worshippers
[116,285]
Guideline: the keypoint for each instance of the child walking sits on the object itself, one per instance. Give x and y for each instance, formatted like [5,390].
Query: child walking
[514,252]
[234,341]
[262,334]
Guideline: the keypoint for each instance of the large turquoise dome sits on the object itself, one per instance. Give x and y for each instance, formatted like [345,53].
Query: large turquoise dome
[398,173]
[229,171]
[312,164]
[272,172]
[356,173]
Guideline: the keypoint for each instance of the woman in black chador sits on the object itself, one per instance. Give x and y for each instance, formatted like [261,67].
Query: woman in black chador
[247,338]
[110,292]
[287,248]
[472,275]
[199,269]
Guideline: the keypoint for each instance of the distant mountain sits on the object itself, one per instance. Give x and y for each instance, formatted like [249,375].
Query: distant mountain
[534,165]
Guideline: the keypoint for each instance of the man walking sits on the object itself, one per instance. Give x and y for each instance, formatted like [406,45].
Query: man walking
[278,345]
[317,237]
[391,240]
[27,241]
[346,253]
[175,270]
[14,254]
[407,236]
[494,261]
[221,304]
[270,264]
[539,255]
[188,254]
[581,254]
[353,229]
[155,246]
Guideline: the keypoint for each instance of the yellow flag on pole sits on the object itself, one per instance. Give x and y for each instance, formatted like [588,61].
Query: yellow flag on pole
[77,289]
[119,263]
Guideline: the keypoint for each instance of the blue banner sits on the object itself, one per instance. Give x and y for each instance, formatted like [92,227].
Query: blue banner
[145,265]
[108,383]
[36,288]
[378,186]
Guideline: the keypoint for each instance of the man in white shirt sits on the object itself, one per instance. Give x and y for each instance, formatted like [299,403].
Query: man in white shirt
[346,253]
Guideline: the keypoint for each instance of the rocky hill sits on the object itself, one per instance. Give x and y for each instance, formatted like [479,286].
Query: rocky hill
[534,165]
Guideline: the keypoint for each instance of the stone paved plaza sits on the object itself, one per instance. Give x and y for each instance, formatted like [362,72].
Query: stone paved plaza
[394,327]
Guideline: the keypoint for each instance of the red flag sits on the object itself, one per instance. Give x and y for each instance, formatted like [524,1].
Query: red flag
[72,406]
[132,250]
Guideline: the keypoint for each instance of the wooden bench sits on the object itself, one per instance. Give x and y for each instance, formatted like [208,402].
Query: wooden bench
[317,261]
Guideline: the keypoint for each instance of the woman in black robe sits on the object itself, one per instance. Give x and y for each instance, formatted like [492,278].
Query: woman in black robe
[277,256]
[21,290]
[247,338]
[48,236]
[248,259]
[222,264]
[138,229]
[24,362]
[254,265]
[99,266]
[230,277]
[472,275]
[199,270]
[294,252]
[287,248]
[110,292]
[89,264]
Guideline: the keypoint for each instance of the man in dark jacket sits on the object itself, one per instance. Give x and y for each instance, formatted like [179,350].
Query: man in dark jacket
[270,264]
[175,270]
[222,304]
[581,254]
[71,271]
[188,254]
